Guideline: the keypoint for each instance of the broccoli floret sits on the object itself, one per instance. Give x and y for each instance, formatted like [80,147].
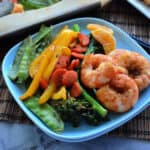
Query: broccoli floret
[74,110]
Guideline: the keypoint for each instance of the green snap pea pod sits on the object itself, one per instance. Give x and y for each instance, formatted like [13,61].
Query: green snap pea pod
[12,74]
[44,31]
[95,105]
[28,55]
[46,113]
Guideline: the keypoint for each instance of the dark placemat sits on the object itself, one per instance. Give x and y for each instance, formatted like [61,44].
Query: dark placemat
[130,20]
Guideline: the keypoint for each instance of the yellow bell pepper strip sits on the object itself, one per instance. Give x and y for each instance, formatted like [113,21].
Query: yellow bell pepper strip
[34,66]
[53,61]
[36,80]
[61,94]
[47,93]
[63,38]
[66,51]
[66,37]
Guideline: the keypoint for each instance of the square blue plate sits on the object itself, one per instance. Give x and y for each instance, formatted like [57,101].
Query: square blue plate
[84,132]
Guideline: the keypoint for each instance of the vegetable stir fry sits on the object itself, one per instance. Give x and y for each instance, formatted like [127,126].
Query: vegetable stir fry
[70,81]
[52,68]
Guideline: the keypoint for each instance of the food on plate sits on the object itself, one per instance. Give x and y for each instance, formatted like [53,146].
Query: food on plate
[19,6]
[96,70]
[46,113]
[120,94]
[73,76]
[104,36]
[137,66]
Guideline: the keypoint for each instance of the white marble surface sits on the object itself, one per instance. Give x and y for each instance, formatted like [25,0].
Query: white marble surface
[29,137]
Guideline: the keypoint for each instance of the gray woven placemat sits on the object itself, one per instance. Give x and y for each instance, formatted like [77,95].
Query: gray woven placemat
[126,17]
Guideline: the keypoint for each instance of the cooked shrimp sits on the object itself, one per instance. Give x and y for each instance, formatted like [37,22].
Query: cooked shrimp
[120,95]
[137,65]
[96,70]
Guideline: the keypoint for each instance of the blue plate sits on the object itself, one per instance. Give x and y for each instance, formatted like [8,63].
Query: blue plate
[84,132]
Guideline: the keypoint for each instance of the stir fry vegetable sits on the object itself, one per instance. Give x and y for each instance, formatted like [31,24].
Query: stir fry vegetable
[46,113]
[53,66]
[74,110]
[26,53]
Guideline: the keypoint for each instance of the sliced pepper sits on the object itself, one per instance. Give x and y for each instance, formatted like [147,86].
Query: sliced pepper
[61,94]
[36,80]
[63,38]
[49,91]
[34,66]
[53,61]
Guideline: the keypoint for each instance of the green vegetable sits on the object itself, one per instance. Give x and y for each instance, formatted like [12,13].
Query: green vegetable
[95,105]
[76,28]
[43,32]
[26,59]
[27,52]
[36,4]
[46,113]
[94,47]
[74,110]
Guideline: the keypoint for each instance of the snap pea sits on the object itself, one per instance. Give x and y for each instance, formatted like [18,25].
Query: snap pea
[43,32]
[27,57]
[46,113]
[12,74]
[26,53]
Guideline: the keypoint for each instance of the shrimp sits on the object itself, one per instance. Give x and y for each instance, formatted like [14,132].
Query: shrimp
[138,66]
[96,70]
[120,94]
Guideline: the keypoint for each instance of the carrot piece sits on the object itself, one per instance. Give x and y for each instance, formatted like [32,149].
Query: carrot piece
[75,90]
[77,55]
[69,78]
[63,61]
[83,39]
[43,83]
[79,48]
[57,76]
[74,64]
